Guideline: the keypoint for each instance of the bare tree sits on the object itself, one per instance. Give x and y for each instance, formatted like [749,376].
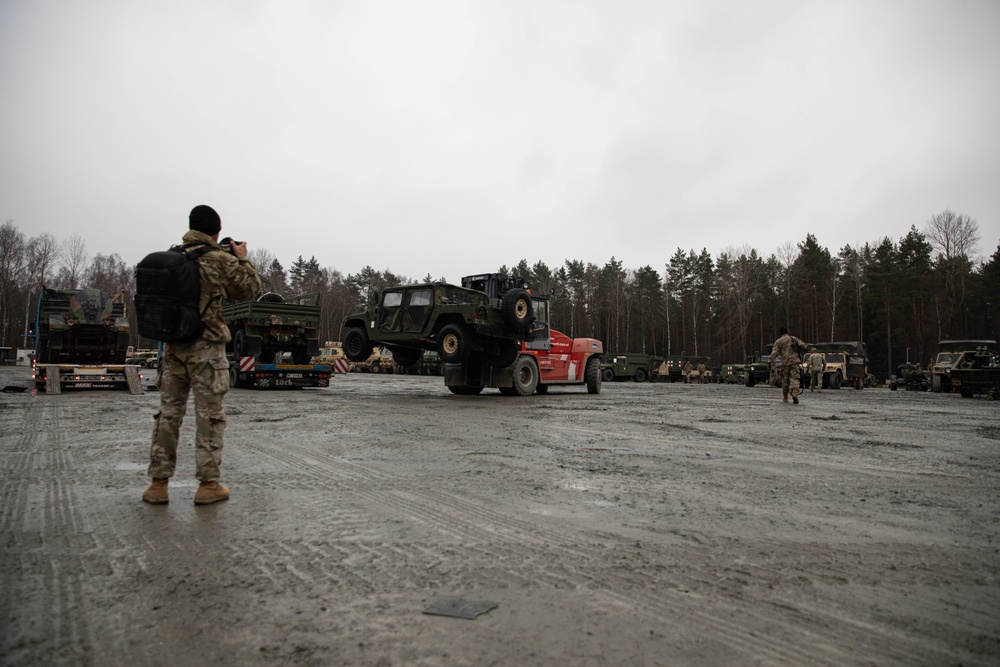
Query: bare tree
[955,238]
[73,254]
[787,253]
[953,235]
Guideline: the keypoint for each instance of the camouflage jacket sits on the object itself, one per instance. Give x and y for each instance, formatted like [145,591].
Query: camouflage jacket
[222,275]
[787,347]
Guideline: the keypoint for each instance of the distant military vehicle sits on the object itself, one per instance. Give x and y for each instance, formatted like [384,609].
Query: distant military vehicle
[626,366]
[488,313]
[910,377]
[732,374]
[757,369]
[270,324]
[977,372]
[846,363]
[80,326]
[948,353]
[81,341]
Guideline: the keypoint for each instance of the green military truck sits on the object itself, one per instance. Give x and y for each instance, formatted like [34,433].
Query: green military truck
[757,370]
[274,341]
[977,372]
[627,366]
[270,325]
[732,374]
[948,353]
[489,313]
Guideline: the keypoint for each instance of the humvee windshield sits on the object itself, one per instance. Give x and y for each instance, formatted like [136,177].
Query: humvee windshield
[947,358]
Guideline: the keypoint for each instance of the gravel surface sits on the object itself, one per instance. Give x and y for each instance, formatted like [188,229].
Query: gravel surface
[652,524]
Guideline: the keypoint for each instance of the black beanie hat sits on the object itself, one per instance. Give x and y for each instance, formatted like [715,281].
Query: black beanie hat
[204,219]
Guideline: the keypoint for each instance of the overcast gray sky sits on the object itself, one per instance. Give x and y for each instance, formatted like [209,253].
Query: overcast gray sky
[448,138]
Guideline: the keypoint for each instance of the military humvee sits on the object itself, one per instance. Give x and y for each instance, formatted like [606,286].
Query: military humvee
[948,353]
[488,313]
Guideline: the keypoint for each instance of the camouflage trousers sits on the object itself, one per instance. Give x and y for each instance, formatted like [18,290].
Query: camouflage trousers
[816,380]
[789,377]
[201,368]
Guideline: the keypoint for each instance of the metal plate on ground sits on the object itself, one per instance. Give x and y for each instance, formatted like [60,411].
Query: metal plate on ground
[459,608]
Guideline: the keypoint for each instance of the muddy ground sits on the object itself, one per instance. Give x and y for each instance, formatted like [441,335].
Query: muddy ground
[652,524]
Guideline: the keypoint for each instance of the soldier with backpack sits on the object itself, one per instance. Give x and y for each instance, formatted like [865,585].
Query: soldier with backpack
[787,348]
[194,356]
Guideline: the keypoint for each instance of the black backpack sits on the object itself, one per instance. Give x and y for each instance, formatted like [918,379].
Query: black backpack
[167,291]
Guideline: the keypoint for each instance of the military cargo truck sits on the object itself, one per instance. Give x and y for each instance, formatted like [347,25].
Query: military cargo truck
[274,341]
[488,314]
[270,324]
[627,366]
[948,353]
[977,372]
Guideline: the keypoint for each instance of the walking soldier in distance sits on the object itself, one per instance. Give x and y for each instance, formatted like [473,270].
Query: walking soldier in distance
[817,363]
[787,348]
[199,365]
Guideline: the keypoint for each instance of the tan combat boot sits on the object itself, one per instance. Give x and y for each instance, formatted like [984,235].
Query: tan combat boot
[210,492]
[795,396]
[156,494]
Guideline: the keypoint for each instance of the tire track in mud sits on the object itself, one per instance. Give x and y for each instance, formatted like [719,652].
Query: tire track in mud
[472,524]
[53,565]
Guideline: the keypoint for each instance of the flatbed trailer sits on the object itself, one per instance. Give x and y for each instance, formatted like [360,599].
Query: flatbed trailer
[56,378]
[248,372]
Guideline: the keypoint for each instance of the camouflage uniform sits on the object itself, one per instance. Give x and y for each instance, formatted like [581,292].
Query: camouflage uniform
[200,366]
[687,372]
[701,373]
[787,347]
[817,363]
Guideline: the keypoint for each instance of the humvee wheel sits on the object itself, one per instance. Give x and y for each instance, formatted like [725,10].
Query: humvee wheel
[836,380]
[592,375]
[966,392]
[525,375]
[454,345]
[608,375]
[357,347]
[640,375]
[516,308]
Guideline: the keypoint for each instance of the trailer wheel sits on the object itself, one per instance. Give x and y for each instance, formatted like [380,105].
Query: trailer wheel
[357,347]
[516,309]
[454,344]
[592,375]
[232,377]
[525,375]
[966,392]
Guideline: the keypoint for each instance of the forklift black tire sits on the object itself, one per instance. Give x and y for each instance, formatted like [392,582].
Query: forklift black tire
[525,375]
[592,375]
[454,344]
[516,309]
[357,347]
